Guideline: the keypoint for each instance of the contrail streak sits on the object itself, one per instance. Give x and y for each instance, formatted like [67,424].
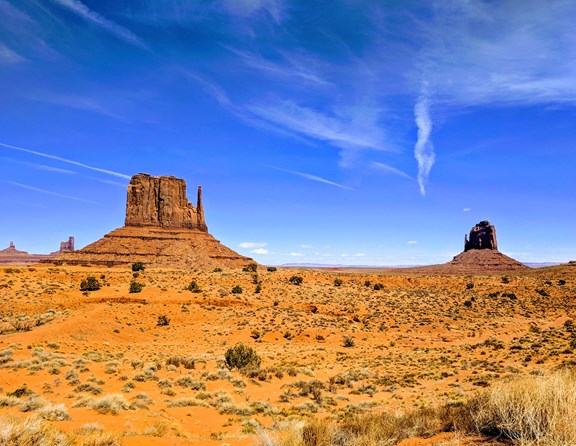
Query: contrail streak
[64,160]
[424,149]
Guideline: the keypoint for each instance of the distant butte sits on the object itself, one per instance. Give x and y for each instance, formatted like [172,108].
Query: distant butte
[480,255]
[162,228]
[12,256]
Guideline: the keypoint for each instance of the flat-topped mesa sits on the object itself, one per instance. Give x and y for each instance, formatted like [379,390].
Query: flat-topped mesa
[162,202]
[482,236]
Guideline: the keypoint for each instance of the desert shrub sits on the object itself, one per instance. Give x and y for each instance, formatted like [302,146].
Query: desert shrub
[19,392]
[469,286]
[163,321]
[138,266]
[348,341]
[56,412]
[338,282]
[109,404]
[237,289]
[242,356]
[189,382]
[31,431]
[296,280]
[505,279]
[258,289]
[194,287]
[378,286]
[217,270]
[251,267]
[271,269]
[177,361]
[367,283]
[90,284]
[136,287]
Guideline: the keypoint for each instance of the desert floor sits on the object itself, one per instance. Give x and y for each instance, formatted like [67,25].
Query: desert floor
[327,349]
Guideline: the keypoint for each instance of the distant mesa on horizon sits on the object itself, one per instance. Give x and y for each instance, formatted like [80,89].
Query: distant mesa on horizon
[12,256]
[162,228]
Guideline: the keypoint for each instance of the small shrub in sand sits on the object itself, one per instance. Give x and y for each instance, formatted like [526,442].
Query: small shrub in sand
[136,287]
[90,284]
[242,356]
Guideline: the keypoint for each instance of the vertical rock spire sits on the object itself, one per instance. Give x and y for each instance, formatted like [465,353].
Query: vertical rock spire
[200,211]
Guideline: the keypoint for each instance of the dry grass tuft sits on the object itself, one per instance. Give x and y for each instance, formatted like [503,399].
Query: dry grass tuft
[30,432]
[530,411]
[534,410]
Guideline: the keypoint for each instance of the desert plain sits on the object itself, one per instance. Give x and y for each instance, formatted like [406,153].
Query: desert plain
[112,366]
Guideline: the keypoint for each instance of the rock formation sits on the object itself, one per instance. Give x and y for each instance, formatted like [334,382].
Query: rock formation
[162,228]
[12,256]
[480,255]
[482,236]
[67,246]
[161,202]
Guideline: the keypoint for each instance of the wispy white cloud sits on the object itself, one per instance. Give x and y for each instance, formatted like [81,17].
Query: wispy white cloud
[85,12]
[247,8]
[73,101]
[260,251]
[50,168]
[389,169]
[9,57]
[44,191]
[64,160]
[353,127]
[412,242]
[252,245]
[466,210]
[295,254]
[317,178]
[292,66]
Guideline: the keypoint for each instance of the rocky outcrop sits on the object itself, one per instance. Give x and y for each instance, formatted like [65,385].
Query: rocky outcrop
[12,256]
[482,236]
[68,245]
[161,202]
[162,228]
[480,255]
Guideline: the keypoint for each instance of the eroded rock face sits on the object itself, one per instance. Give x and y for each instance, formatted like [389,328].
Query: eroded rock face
[67,246]
[162,202]
[482,236]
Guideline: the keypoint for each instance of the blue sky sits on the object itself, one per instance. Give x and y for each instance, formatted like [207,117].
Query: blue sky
[346,131]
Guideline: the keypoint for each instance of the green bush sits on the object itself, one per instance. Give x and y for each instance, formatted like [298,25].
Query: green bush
[136,287]
[378,286]
[296,280]
[90,284]
[338,282]
[237,289]
[217,270]
[138,266]
[271,269]
[241,356]
[193,286]
[163,320]
[251,267]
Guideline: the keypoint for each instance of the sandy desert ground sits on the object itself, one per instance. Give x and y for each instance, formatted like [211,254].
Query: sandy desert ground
[98,365]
